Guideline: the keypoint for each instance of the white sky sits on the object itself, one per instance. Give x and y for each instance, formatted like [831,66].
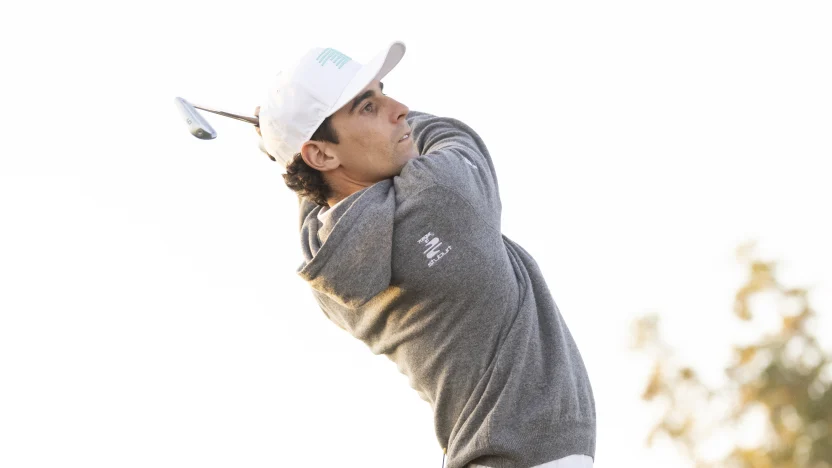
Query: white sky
[150,314]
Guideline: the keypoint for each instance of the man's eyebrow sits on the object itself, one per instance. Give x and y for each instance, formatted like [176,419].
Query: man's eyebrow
[363,96]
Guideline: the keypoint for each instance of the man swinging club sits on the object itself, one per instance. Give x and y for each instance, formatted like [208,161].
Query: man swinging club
[400,233]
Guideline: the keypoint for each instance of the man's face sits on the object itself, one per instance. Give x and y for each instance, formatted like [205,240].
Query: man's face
[370,130]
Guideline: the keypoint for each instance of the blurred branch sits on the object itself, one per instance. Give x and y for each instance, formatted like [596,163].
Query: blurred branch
[786,375]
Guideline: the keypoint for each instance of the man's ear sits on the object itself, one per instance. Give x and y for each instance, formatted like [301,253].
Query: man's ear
[318,156]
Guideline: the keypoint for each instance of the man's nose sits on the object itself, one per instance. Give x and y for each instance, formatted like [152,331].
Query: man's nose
[400,110]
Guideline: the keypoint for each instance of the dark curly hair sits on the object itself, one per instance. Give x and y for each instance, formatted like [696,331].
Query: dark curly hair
[306,181]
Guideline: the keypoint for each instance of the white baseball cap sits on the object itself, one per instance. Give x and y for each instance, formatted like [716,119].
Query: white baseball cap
[319,84]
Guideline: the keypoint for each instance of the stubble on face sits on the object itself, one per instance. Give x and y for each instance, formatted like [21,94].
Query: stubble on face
[370,129]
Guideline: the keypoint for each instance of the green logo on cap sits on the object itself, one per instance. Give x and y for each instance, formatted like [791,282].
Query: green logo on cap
[332,55]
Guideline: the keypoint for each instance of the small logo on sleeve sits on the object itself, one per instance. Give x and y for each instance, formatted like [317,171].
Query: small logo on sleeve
[434,248]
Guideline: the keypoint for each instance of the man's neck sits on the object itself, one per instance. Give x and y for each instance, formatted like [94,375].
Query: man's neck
[342,188]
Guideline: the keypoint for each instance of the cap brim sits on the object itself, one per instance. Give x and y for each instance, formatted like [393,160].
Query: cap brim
[376,69]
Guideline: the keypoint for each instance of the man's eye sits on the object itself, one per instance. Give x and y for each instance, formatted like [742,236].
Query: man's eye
[368,106]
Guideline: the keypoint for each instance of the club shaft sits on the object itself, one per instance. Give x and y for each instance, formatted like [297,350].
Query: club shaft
[252,120]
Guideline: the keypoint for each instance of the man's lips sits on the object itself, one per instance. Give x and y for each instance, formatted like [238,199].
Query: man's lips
[405,137]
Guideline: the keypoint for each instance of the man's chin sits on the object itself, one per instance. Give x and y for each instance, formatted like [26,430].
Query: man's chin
[414,153]
[402,166]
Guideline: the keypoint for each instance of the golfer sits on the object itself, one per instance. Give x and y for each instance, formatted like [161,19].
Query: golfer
[400,223]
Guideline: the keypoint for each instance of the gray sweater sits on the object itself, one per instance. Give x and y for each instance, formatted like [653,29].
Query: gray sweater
[417,268]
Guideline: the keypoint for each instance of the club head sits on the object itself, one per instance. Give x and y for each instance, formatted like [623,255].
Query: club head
[197,125]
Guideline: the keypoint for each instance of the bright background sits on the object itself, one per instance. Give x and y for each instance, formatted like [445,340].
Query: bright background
[150,314]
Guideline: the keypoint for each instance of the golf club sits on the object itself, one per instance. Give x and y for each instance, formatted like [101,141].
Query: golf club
[198,126]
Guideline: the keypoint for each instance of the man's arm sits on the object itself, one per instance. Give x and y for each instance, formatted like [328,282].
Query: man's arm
[432,133]
[456,156]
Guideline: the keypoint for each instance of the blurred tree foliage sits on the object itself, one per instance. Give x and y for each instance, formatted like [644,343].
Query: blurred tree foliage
[779,386]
